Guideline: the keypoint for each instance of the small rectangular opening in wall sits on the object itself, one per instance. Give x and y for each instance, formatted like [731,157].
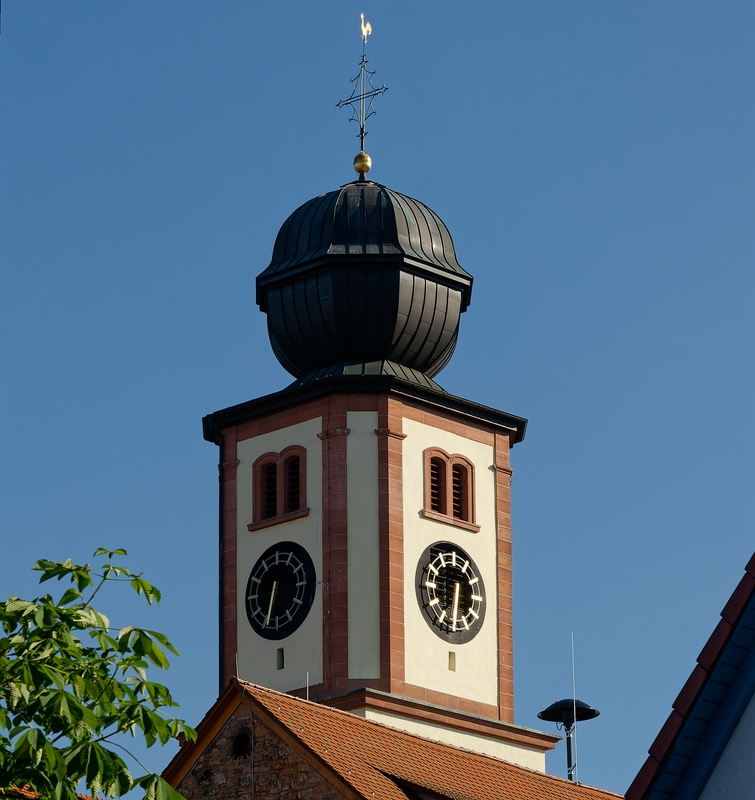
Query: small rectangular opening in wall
[280,661]
[452,661]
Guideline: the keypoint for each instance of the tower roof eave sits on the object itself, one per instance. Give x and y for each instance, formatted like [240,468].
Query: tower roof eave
[214,423]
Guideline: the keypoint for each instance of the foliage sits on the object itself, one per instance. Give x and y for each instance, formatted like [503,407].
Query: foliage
[71,685]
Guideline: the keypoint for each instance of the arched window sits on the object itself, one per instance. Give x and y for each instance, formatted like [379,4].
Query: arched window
[278,487]
[449,488]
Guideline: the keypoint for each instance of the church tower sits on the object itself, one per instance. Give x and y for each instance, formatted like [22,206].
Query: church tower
[365,529]
[365,512]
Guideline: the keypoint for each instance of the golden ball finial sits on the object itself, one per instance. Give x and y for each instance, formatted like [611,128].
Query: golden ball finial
[362,163]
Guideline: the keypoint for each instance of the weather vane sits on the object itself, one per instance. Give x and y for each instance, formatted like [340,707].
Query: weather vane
[363,92]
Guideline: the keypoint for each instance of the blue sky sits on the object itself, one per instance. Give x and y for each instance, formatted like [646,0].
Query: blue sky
[594,163]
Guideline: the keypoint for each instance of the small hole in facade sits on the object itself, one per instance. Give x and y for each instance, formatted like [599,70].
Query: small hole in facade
[242,745]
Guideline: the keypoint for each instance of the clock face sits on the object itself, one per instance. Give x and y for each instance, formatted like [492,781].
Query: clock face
[450,592]
[280,590]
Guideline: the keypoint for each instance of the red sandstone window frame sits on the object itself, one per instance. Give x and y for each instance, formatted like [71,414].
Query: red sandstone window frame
[284,506]
[444,475]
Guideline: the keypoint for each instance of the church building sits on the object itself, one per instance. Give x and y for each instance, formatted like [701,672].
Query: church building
[365,535]
[366,645]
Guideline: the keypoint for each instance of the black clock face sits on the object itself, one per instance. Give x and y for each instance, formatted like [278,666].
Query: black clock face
[280,590]
[450,592]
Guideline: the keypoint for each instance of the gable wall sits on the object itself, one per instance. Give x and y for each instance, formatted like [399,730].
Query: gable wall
[274,771]
[734,775]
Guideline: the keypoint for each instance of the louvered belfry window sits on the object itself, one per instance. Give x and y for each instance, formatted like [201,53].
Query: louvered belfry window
[269,490]
[438,485]
[291,484]
[278,489]
[449,488]
[459,482]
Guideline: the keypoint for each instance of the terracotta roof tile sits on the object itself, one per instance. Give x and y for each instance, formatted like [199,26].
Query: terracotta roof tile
[375,760]
[25,793]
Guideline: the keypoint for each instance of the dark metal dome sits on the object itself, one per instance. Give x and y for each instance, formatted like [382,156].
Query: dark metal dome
[363,280]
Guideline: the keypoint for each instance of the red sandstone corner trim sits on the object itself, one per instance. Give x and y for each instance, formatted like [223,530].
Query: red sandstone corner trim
[228,563]
[504,617]
[391,542]
[335,588]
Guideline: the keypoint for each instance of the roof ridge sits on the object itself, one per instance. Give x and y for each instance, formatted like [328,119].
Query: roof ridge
[351,717]
[321,708]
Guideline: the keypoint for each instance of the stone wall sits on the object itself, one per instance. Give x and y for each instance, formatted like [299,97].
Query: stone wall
[248,761]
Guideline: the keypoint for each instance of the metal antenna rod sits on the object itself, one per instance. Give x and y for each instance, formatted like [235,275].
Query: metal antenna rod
[572,766]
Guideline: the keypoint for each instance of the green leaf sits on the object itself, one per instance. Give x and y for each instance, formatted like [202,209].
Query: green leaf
[150,592]
[163,639]
[69,596]
[13,605]
[142,643]
[101,551]
[68,683]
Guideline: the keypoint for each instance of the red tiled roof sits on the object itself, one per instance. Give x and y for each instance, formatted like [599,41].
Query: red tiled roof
[25,793]
[373,761]
[695,684]
[19,791]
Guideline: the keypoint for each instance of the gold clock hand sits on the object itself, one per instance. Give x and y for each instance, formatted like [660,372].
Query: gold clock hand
[455,611]
[272,601]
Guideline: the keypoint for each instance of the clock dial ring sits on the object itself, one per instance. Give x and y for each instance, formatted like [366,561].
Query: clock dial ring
[450,592]
[280,590]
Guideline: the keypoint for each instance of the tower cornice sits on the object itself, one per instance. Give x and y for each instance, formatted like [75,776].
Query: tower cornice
[213,424]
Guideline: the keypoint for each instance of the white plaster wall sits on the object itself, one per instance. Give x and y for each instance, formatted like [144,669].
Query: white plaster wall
[426,654]
[734,775]
[363,552]
[257,657]
[510,752]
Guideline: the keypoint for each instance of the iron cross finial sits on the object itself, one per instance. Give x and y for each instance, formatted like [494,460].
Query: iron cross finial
[363,92]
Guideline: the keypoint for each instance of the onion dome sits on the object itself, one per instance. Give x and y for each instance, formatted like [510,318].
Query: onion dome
[364,280]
